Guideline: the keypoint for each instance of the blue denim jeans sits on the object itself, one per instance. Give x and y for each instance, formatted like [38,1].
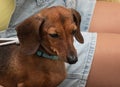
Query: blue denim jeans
[77,74]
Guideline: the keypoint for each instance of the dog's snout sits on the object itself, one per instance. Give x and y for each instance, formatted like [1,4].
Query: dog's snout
[72,59]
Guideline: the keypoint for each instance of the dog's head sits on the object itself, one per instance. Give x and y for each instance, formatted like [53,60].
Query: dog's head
[52,31]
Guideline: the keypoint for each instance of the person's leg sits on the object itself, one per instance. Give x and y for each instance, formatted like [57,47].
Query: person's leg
[106,17]
[105,70]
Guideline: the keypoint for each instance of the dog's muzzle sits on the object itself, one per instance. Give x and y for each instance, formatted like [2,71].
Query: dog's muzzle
[72,59]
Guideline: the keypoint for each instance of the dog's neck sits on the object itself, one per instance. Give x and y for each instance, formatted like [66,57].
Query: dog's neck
[41,52]
[45,55]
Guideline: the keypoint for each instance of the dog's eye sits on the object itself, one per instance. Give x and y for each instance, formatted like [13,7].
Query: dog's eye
[54,35]
[73,32]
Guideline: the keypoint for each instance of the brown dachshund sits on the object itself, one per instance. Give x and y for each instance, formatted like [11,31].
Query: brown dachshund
[46,42]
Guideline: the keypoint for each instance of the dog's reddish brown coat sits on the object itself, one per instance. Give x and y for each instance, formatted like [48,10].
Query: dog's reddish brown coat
[22,65]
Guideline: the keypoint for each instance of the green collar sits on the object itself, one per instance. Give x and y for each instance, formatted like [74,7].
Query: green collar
[45,55]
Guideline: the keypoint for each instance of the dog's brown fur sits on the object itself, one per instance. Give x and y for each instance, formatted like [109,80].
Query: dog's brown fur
[50,31]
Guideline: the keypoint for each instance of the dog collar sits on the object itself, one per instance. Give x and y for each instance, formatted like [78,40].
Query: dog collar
[45,55]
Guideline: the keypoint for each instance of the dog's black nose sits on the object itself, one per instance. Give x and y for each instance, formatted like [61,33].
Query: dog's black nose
[72,59]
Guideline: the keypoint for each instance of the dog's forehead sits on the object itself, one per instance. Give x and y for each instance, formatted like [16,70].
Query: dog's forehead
[57,14]
[57,17]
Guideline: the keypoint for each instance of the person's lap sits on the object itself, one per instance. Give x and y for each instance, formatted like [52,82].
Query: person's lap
[106,61]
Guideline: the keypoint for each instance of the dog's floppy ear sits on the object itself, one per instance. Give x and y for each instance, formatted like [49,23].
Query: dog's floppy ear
[28,34]
[77,20]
